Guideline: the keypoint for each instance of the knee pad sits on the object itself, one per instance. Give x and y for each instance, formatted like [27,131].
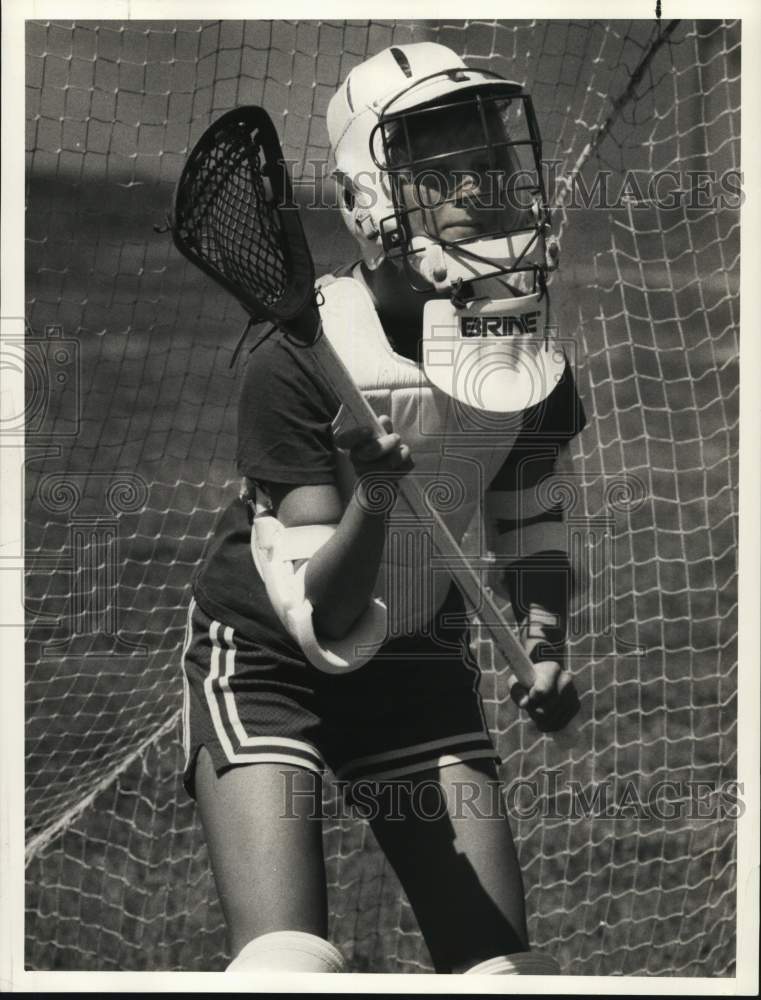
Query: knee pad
[288,951]
[521,963]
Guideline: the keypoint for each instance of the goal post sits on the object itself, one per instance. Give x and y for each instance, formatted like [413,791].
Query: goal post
[134,402]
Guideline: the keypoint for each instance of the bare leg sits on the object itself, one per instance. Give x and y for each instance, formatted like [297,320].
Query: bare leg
[265,849]
[459,869]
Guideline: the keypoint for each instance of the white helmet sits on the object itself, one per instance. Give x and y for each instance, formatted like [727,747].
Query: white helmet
[419,140]
[374,123]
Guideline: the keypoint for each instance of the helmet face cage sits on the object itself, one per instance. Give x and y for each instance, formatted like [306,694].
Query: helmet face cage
[474,160]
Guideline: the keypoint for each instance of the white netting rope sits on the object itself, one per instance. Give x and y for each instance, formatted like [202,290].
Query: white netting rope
[117,874]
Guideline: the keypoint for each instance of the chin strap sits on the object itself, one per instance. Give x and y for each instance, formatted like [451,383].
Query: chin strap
[427,258]
[430,263]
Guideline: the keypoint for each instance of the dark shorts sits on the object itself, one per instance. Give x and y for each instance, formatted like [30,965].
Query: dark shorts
[414,706]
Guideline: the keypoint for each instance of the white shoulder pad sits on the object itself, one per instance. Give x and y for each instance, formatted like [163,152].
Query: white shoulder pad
[275,548]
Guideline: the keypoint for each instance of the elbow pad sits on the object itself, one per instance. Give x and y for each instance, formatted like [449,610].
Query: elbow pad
[518,525]
[275,549]
[532,565]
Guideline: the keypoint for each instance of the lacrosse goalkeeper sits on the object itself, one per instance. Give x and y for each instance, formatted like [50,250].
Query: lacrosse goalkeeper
[322,633]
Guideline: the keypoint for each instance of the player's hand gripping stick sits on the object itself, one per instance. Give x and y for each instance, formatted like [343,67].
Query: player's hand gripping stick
[308,328]
[235,218]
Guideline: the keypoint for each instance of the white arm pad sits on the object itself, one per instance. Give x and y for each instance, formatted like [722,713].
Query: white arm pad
[274,549]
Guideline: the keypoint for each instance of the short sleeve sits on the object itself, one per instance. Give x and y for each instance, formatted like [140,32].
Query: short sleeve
[285,414]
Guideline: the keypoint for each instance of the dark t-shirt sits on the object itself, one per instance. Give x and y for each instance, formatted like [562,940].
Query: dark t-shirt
[285,413]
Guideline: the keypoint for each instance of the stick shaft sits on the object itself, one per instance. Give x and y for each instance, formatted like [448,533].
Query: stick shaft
[498,629]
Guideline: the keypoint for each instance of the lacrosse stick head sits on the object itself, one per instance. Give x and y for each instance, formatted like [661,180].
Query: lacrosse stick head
[235,218]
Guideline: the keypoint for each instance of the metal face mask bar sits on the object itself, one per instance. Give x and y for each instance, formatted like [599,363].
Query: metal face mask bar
[463,172]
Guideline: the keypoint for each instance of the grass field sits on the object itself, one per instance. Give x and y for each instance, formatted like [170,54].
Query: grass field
[120,510]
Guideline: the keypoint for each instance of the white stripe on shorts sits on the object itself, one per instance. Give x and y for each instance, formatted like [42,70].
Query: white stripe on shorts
[415,749]
[222,668]
[444,760]
[185,684]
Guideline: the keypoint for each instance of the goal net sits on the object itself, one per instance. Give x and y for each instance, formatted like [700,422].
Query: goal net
[130,459]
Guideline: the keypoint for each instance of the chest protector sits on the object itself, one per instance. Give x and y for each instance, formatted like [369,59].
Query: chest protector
[457,449]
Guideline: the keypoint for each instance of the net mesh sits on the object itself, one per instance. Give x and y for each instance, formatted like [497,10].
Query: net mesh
[227,217]
[130,459]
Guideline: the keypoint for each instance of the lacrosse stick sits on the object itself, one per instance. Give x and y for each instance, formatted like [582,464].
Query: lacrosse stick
[235,218]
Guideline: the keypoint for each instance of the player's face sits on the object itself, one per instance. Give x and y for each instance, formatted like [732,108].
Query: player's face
[461,186]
